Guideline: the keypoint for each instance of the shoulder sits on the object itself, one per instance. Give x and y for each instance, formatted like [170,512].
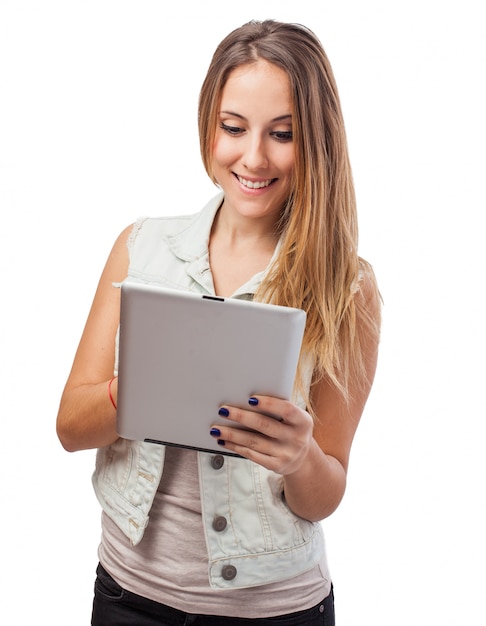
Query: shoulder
[368,304]
[170,227]
[159,226]
[366,287]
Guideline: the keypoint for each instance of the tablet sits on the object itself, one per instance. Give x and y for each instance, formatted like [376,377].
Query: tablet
[183,354]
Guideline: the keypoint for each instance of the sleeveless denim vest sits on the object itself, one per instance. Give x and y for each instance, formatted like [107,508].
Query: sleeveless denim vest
[252,536]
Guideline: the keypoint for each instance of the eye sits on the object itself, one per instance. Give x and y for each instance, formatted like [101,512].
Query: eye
[283,135]
[231,130]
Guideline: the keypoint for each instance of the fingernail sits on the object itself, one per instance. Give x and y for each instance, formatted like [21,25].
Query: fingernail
[221,442]
[253,401]
[215,432]
[223,412]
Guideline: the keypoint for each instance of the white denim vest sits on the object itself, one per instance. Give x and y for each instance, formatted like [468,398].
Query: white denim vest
[252,536]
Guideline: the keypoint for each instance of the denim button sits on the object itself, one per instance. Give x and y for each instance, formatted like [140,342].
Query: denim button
[321,609]
[217,461]
[229,572]
[220,523]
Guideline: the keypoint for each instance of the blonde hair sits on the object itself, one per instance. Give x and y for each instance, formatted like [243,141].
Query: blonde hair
[317,267]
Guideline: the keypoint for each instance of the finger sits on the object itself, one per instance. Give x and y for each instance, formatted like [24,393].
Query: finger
[251,430]
[254,420]
[282,410]
[248,444]
[266,452]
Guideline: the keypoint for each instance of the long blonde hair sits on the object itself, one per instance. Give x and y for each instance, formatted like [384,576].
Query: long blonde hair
[317,267]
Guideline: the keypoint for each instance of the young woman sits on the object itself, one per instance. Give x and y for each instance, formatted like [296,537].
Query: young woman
[199,538]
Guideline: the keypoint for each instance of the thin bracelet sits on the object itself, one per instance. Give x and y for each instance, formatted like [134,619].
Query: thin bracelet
[109,392]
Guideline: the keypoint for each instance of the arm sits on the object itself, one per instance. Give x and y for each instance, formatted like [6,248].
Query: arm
[312,457]
[316,489]
[86,417]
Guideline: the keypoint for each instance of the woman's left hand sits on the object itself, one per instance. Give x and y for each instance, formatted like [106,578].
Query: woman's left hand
[272,432]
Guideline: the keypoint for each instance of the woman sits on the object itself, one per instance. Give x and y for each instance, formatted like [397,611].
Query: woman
[196,538]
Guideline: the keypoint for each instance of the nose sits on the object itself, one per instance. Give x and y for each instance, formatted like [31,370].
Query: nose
[255,154]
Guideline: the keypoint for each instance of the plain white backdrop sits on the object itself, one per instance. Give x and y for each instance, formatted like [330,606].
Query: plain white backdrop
[98,126]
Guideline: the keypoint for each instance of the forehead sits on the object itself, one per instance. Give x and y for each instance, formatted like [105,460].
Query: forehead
[260,80]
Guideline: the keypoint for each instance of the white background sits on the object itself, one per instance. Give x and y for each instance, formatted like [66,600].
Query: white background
[98,126]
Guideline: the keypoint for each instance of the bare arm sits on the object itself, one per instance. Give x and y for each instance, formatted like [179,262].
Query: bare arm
[316,489]
[86,417]
[313,458]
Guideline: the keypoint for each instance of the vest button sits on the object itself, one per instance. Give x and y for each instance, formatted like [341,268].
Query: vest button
[217,461]
[229,572]
[220,523]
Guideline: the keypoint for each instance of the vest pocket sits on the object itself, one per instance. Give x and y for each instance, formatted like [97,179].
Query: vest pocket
[117,464]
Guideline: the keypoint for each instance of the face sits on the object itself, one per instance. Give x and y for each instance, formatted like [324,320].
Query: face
[253,153]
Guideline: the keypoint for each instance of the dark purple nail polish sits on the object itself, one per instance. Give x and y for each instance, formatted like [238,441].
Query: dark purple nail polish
[223,412]
[221,442]
[215,432]
[253,401]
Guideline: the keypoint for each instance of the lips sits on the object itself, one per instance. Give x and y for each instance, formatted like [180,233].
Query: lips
[255,184]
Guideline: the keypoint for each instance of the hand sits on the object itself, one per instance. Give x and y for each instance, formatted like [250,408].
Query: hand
[279,443]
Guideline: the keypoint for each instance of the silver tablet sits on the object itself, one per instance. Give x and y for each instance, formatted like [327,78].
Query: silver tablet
[183,354]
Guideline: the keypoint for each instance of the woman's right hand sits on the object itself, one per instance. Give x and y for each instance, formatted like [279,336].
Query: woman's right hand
[87,417]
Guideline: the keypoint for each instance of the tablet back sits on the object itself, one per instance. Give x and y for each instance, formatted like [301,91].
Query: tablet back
[182,355]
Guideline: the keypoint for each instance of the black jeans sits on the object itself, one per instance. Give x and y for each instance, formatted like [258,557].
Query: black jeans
[114,606]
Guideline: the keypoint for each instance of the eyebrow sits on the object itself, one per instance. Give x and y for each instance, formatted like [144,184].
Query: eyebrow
[280,118]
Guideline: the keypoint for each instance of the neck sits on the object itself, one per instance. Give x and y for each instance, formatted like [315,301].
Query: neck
[235,231]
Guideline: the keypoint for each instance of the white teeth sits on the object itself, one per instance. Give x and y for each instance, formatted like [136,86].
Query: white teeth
[254,185]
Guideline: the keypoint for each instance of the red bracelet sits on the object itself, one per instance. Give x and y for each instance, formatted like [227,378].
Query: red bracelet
[109,392]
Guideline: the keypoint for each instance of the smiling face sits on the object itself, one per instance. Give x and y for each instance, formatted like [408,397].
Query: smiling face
[253,152]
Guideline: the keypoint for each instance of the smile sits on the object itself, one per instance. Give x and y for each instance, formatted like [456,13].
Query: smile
[260,184]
